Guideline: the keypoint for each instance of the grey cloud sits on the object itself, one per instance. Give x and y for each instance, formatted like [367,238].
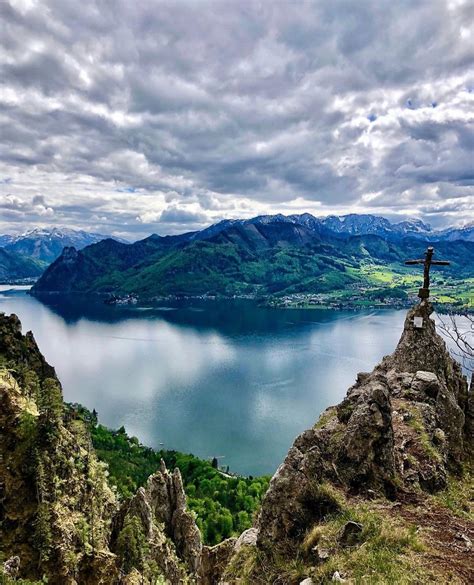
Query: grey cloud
[235,106]
[181,216]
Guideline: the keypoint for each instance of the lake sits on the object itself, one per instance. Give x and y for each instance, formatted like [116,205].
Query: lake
[215,379]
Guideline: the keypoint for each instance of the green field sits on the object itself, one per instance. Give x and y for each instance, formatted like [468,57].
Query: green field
[377,285]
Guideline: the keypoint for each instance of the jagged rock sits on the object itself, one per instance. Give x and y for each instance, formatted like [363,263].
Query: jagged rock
[20,351]
[362,376]
[365,457]
[426,383]
[405,424]
[350,533]
[45,496]
[424,350]
[337,577]
[248,538]
[160,507]
[46,501]
[214,560]
[307,581]
[290,505]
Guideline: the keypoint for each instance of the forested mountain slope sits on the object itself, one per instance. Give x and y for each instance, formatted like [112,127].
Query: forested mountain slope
[14,266]
[251,258]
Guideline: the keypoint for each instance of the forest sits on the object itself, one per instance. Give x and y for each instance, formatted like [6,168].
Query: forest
[224,504]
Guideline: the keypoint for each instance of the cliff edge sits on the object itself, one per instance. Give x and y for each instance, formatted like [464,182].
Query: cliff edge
[60,521]
[363,481]
[380,490]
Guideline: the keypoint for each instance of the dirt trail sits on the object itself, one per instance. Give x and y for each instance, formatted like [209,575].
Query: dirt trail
[449,538]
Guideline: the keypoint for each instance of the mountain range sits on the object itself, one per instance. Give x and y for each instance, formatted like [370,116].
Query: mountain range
[25,256]
[46,245]
[266,255]
[349,225]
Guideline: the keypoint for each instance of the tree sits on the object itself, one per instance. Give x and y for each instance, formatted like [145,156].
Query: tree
[43,537]
[459,329]
[50,401]
[131,544]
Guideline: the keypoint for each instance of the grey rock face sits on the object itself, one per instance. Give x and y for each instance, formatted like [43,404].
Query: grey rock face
[214,560]
[172,534]
[365,457]
[350,533]
[404,424]
[247,538]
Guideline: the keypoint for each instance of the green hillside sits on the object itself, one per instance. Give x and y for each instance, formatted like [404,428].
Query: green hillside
[274,260]
[224,505]
[14,266]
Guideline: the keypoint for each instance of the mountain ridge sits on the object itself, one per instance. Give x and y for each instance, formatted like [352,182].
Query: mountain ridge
[16,267]
[347,225]
[46,244]
[261,256]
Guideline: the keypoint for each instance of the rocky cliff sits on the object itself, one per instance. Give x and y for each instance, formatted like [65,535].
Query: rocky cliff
[380,490]
[403,432]
[59,519]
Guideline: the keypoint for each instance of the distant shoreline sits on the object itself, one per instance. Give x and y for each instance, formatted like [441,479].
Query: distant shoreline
[303,301]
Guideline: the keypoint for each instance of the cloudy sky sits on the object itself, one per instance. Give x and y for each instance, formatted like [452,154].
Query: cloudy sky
[131,117]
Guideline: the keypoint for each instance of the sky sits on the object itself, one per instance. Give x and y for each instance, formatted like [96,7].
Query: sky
[129,118]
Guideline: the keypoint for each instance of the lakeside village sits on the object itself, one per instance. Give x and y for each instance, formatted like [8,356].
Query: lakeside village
[354,297]
[454,298]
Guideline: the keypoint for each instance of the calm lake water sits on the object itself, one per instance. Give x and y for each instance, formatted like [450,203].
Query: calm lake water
[214,379]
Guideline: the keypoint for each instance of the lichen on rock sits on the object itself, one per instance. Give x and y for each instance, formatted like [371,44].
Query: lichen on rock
[403,427]
[57,511]
[172,539]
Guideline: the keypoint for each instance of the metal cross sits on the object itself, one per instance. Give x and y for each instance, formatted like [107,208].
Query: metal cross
[427,261]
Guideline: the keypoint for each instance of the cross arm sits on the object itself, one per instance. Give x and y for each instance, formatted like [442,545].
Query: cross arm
[414,261]
[440,262]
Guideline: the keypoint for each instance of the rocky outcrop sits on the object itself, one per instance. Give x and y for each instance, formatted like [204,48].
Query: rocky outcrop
[58,516]
[214,561]
[19,352]
[402,427]
[173,539]
[55,503]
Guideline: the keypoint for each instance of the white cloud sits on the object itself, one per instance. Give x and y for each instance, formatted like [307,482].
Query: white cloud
[180,114]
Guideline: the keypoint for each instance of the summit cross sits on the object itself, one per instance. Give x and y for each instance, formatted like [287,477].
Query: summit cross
[427,261]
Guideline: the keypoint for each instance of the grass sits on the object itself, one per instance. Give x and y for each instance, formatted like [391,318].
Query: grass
[325,417]
[242,565]
[458,496]
[416,423]
[387,551]
[385,554]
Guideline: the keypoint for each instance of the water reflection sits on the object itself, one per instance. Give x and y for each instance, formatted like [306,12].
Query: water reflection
[214,379]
